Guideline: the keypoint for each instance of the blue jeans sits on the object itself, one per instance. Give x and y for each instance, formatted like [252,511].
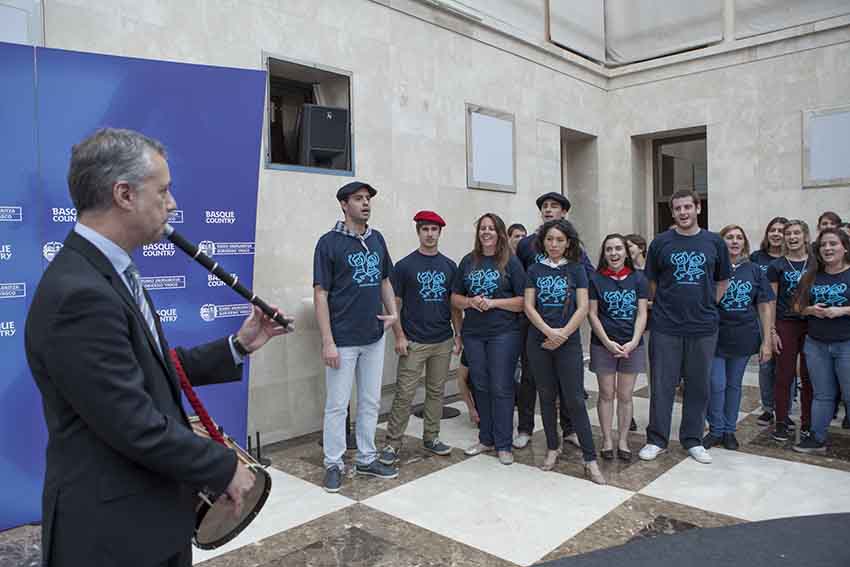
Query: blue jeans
[366,364]
[727,375]
[491,368]
[829,367]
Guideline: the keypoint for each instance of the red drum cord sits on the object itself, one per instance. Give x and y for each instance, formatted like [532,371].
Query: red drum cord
[194,401]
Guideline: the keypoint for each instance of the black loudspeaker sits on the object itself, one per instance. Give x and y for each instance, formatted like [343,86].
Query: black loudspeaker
[324,136]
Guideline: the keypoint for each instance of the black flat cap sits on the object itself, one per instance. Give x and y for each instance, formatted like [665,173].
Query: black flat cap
[354,187]
[557,197]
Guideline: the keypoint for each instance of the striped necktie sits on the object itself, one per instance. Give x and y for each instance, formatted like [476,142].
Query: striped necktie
[135,281]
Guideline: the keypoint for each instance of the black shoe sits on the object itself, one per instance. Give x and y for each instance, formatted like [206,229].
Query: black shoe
[790,423]
[633,425]
[810,445]
[845,424]
[780,433]
[378,469]
[333,479]
[607,454]
[625,456]
[730,442]
[710,441]
[765,419]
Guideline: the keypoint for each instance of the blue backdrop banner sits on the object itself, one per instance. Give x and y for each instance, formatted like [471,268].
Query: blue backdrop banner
[210,120]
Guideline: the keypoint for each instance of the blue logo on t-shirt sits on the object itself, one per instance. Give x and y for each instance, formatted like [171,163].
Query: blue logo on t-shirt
[552,290]
[792,278]
[431,286]
[688,266]
[830,295]
[483,282]
[763,268]
[366,270]
[538,258]
[622,303]
[737,296]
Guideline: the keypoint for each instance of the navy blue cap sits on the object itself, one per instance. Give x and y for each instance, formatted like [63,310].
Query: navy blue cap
[557,197]
[354,187]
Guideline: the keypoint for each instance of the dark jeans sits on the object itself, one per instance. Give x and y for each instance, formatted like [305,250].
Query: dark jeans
[792,333]
[527,392]
[182,559]
[492,362]
[673,358]
[562,368]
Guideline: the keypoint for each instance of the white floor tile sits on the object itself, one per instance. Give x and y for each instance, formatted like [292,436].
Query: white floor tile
[753,488]
[518,513]
[291,502]
[458,431]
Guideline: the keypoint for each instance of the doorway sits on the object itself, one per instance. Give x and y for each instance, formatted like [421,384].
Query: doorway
[679,163]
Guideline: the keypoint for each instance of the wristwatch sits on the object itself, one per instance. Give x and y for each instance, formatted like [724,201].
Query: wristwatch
[239,347]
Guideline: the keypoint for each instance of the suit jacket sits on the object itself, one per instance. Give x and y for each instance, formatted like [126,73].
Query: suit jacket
[123,465]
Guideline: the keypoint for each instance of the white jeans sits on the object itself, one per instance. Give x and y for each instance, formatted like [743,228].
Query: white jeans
[366,364]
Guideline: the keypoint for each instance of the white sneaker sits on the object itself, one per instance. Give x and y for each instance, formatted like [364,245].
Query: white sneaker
[650,451]
[521,440]
[477,449]
[700,454]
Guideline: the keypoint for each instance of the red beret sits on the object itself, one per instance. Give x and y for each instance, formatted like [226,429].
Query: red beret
[429,216]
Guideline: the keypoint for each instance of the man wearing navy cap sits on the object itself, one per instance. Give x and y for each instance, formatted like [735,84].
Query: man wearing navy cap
[351,270]
[424,338]
[552,206]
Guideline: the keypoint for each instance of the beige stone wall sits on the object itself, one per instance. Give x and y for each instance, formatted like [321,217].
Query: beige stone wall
[413,70]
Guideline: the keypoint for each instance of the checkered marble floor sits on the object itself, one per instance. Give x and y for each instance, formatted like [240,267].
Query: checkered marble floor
[459,510]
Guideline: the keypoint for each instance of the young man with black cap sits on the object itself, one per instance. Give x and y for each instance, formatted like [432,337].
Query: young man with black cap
[552,206]
[351,270]
[423,336]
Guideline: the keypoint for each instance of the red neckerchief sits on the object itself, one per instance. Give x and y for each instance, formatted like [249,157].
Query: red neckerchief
[622,274]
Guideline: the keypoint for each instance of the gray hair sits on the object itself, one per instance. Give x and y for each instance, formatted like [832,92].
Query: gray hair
[103,159]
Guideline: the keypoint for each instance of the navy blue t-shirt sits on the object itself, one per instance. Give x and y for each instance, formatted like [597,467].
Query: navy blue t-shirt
[485,279]
[527,252]
[352,277]
[740,333]
[686,270]
[617,304]
[762,259]
[786,274]
[830,290]
[554,288]
[422,283]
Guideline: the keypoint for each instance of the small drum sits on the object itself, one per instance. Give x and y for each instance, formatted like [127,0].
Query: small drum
[215,523]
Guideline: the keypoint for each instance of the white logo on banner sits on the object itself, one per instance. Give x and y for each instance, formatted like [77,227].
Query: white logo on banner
[213,281]
[211,248]
[64,214]
[211,312]
[220,217]
[167,315]
[154,283]
[158,249]
[5,252]
[13,290]
[7,329]
[175,217]
[50,249]
[11,214]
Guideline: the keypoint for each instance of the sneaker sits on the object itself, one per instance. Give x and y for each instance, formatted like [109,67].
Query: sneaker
[780,432]
[437,447]
[710,441]
[521,440]
[388,456]
[650,452]
[633,425]
[506,457]
[765,419]
[377,469]
[805,434]
[810,445]
[700,455]
[730,442]
[333,479]
[791,425]
[477,449]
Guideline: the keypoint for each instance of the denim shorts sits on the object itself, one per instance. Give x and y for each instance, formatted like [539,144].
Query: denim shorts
[603,362]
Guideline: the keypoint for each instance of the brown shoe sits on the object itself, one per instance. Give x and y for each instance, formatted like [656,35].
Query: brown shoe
[592,473]
[550,460]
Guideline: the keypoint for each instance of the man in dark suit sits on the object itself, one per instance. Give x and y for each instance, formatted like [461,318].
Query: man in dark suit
[123,466]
